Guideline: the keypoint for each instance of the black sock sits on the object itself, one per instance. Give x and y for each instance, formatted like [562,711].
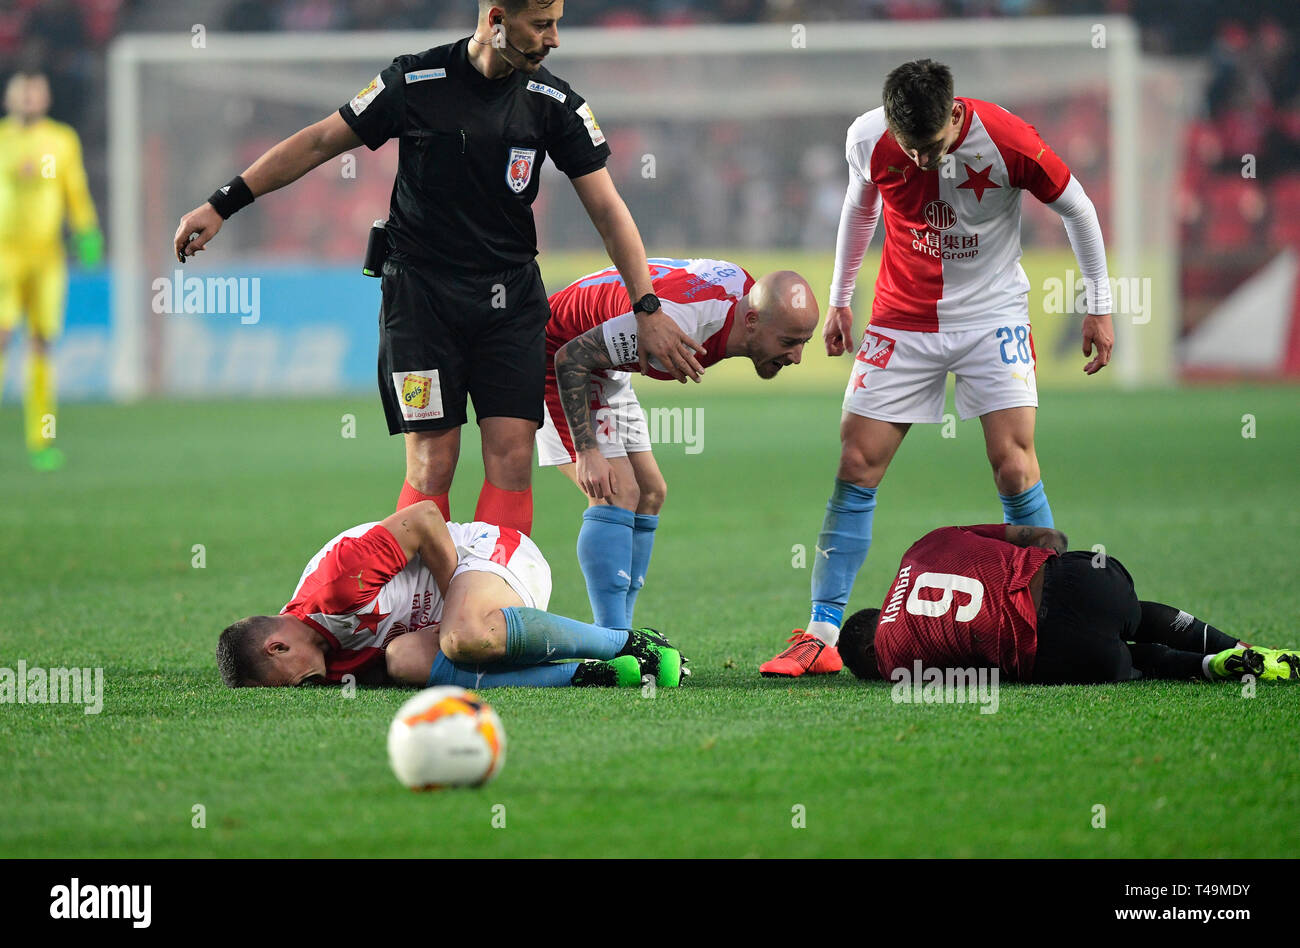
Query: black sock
[1173,627]
[1160,661]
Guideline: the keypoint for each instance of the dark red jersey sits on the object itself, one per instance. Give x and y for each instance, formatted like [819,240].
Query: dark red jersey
[961,599]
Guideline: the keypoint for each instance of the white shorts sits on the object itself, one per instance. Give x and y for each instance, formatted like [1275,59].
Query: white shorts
[900,375]
[617,420]
[487,548]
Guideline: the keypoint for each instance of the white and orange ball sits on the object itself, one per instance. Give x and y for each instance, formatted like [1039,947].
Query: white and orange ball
[446,737]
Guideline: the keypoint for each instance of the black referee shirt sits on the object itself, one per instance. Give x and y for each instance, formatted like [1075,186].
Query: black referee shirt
[471,154]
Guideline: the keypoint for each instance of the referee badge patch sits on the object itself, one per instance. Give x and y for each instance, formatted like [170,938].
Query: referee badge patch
[520,169]
[419,394]
[367,95]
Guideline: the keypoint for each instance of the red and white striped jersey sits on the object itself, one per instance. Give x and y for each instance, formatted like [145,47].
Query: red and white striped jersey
[700,296]
[360,593]
[952,235]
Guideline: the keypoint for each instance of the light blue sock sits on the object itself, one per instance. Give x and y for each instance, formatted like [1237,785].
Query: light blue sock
[447,672]
[536,636]
[1028,508]
[643,543]
[841,549]
[605,555]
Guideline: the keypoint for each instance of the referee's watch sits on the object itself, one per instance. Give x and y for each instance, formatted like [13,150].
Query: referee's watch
[647,304]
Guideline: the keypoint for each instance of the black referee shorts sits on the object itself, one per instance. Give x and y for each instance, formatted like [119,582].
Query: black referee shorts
[1087,616]
[444,336]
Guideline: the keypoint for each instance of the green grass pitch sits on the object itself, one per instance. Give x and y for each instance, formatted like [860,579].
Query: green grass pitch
[96,569]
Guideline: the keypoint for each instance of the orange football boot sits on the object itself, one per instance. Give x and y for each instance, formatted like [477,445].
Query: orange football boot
[808,655]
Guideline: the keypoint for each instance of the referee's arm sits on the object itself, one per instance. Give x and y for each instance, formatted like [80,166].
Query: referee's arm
[282,164]
[658,336]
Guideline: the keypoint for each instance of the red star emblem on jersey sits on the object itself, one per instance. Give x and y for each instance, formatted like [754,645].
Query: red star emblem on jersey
[370,621]
[860,380]
[978,181]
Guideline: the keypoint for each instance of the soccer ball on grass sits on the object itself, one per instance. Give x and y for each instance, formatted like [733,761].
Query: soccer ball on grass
[446,737]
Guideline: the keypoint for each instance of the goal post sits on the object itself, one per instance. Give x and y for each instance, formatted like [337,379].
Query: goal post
[724,137]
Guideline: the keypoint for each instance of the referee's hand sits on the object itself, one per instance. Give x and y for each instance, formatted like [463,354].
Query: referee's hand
[196,229]
[658,337]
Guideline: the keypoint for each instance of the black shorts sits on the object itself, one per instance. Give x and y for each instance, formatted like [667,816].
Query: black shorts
[1087,616]
[447,335]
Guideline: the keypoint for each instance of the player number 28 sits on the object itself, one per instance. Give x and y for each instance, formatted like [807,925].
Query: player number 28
[947,583]
[1021,339]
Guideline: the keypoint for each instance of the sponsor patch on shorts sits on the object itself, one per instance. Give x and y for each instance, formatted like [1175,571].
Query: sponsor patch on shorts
[875,349]
[422,74]
[367,95]
[556,94]
[419,393]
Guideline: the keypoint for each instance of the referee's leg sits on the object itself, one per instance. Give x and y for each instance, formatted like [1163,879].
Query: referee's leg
[431,458]
[507,383]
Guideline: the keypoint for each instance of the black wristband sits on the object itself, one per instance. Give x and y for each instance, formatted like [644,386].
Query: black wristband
[231,197]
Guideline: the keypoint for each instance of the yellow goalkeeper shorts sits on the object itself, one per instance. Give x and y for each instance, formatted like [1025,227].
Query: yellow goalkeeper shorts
[35,285]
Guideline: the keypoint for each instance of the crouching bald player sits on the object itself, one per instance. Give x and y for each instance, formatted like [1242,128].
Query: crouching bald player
[1010,596]
[417,601]
[595,430]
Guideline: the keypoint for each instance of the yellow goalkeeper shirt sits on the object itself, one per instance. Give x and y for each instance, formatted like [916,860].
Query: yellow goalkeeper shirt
[42,180]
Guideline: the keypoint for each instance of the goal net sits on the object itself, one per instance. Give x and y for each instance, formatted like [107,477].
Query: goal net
[726,141]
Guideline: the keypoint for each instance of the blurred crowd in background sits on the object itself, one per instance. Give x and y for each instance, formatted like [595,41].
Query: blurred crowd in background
[1248,121]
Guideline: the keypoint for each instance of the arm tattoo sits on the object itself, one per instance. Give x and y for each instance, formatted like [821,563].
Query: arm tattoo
[574,364]
[1023,536]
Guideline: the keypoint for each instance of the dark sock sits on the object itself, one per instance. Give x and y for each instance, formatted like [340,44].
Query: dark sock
[1166,625]
[1154,660]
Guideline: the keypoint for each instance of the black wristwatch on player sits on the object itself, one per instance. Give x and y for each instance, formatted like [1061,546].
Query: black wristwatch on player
[647,304]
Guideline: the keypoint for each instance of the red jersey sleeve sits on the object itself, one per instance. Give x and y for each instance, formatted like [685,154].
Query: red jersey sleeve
[1031,163]
[350,574]
[994,531]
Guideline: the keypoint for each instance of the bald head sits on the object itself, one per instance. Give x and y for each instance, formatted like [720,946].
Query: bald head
[782,316]
[785,299]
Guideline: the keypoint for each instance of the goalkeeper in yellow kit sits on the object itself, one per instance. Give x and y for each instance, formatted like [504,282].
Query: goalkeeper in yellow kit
[42,181]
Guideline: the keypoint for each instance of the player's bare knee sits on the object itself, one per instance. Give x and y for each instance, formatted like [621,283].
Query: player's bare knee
[1015,472]
[475,638]
[628,496]
[653,495]
[856,468]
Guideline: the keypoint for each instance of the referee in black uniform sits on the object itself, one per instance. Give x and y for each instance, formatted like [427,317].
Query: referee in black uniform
[464,309]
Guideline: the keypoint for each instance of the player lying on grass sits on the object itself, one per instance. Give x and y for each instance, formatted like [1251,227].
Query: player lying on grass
[594,428]
[415,600]
[1011,597]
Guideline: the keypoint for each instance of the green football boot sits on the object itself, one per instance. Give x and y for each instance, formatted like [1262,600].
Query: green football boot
[1280,664]
[657,656]
[1237,663]
[621,672]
